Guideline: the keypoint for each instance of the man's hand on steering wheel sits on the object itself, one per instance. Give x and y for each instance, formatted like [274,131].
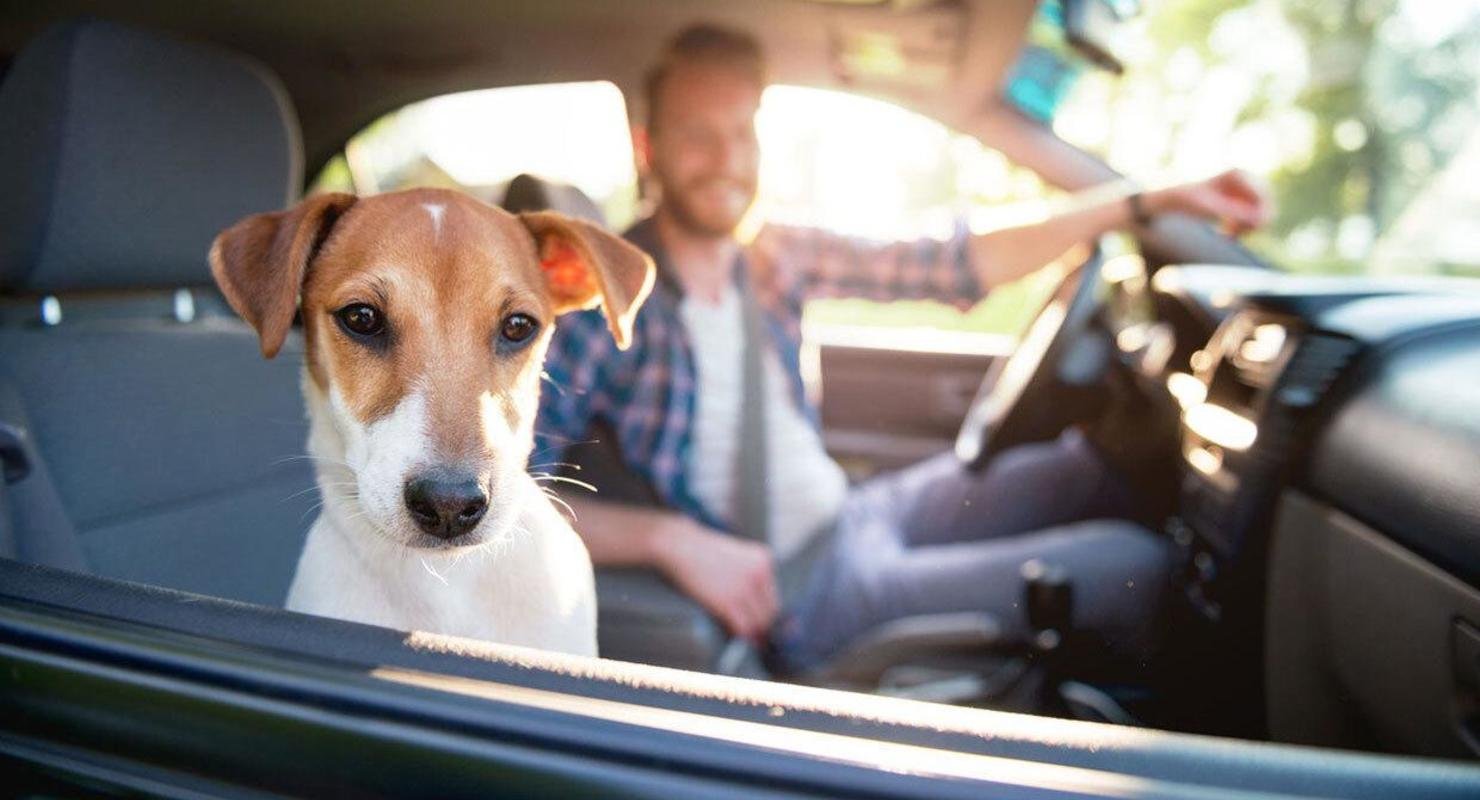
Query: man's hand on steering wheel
[1231,198]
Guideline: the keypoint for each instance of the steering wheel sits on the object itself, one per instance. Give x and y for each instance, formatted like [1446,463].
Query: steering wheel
[1047,383]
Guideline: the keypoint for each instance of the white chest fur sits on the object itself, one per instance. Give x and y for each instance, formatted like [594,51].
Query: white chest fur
[534,588]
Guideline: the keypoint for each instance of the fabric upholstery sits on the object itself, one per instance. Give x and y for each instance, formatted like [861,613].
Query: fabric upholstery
[175,449]
[170,452]
[123,153]
[528,193]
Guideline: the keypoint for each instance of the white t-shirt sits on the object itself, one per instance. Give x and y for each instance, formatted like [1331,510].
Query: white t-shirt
[806,487]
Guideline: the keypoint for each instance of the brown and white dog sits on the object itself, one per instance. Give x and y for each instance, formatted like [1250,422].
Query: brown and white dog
[426,315]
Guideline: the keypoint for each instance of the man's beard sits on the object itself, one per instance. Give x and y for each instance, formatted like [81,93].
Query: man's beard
[691,220]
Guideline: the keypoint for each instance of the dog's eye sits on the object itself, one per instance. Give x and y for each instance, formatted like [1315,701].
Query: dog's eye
[361,319]
[518,328]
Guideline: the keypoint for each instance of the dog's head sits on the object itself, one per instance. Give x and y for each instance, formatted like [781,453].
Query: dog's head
[426,315]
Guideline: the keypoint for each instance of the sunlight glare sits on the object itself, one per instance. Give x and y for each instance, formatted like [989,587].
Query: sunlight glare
[574,133]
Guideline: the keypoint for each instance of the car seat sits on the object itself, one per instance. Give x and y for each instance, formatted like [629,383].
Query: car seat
[157,445]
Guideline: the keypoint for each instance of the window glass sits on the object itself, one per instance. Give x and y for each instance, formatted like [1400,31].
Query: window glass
[830,159]
[868,168]
[1362,113]
[574,133]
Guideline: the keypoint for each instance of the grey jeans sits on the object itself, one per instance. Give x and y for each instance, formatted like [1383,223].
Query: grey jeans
[935,538]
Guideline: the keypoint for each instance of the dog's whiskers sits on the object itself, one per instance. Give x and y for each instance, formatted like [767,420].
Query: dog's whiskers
[562,445]
[310,457]
[550,493]
[430,571]
[555,464]
[357,514]
[543,477]
[311,509]
[316,487]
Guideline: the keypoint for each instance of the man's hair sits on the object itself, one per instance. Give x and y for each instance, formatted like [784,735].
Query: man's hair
[704,44]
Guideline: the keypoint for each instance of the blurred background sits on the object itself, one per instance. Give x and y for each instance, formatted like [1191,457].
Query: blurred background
[1359,114]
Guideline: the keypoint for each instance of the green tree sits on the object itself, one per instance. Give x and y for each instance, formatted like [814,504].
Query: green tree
[1388,110]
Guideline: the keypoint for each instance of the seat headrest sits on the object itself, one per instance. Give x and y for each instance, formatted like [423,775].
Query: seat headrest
[528,193]
[123,153]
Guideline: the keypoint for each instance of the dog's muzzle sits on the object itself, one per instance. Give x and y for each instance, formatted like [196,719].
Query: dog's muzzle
[445,504]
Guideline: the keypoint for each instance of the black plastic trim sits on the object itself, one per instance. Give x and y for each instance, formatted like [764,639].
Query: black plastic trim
[184,673]
[166,705]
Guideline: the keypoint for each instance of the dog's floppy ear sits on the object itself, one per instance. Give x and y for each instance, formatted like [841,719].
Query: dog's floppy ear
[584,265]
[260,262]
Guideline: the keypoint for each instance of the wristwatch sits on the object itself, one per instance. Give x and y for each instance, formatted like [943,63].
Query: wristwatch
[1139,213]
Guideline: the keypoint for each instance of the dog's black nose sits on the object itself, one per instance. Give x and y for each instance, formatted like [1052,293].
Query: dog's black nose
[446,506]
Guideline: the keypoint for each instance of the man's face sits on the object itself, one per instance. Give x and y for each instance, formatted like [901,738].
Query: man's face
[702,147]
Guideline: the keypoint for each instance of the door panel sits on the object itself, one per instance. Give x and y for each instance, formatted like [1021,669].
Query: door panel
[1369,646]
[884,407]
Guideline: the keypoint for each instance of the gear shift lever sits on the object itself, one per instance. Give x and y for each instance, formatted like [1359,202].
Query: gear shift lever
[1049,598]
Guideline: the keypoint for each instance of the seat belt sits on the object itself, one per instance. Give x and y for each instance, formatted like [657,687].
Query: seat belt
[752,499]
[752,502]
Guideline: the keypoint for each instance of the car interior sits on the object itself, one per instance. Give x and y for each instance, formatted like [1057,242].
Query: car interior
[1310,445]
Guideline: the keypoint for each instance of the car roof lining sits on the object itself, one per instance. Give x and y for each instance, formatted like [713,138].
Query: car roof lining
[344,70]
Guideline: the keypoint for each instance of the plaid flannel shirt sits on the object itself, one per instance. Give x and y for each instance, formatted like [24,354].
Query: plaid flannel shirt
[646,394]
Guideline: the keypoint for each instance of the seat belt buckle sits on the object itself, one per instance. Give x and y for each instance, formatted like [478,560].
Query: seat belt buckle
[15,462]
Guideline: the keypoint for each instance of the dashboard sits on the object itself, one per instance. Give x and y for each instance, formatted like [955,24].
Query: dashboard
[1359,397]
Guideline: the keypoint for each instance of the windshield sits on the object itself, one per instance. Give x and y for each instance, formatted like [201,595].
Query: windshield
[1361,114]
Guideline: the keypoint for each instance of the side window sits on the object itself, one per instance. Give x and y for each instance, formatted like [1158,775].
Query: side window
[833,160]
[868,168]
[1365,120]
[574,133]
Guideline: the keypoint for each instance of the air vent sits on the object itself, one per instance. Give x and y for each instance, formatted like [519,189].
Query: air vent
[1319,361]
[1244,361]
[1302,384]
[1257,354]
[1265,372]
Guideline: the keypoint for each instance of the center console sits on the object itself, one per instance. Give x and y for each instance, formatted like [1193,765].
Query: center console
[1259,374]
[1277,402]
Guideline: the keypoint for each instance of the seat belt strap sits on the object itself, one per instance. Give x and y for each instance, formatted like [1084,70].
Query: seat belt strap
[752,502]
[752,517]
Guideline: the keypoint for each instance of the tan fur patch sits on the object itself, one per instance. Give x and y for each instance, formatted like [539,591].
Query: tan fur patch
[445,291]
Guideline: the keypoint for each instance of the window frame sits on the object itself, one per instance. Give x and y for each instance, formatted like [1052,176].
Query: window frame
[336,705]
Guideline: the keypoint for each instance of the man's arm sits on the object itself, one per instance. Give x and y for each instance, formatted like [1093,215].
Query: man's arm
[960,270]
[733,579]
[1005,255]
